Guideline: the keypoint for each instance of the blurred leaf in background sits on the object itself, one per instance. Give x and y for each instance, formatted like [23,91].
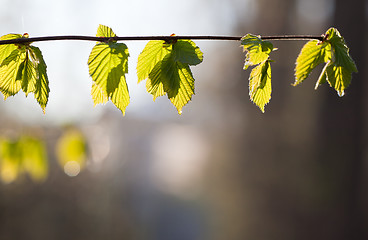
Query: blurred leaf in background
[71,151]
[25,154]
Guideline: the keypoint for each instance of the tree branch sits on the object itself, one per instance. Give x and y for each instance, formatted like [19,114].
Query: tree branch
[141,38]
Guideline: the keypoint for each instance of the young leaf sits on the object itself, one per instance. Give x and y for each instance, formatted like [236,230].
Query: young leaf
[23,67]
[7,49]
[40,85]
[339,78]
[11,71]
[260,84]
[312,54]
[152,54]
[154,83]
[28,76]
[166,67]
[178,82]
[98,95]
[108,64]
[187,52]
[105,31]
[257,50]
[186,87]
[340,51]
[334,52]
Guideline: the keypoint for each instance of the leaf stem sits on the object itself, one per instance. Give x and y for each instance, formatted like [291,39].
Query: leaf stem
[142,38]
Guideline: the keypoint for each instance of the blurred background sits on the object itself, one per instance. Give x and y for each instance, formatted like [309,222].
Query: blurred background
[221,170]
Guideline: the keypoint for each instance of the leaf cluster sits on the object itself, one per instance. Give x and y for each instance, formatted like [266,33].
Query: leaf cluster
[332,51]
[165,65]
[258,52]
[23,155]
[23,67]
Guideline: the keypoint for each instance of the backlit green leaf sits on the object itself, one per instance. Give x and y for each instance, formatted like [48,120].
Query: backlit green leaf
[22,67]
[260,84]
[166,67]
[257,50]
[11,72]
[104,31]
[186,86]
[7,49]
[339,78]
[187,52]
[152,54]
[312,54]
[28,76]
[340,51]
[41,86]
[108,64]
[154,83]
[98,95]
[335,53]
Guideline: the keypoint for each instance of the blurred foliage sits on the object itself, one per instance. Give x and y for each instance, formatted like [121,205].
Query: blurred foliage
[23,155]
[28,155]
[71,151]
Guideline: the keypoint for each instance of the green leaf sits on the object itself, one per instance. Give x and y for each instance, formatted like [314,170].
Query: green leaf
[312,54]
[28,75]
[40,85]
[98,95]
[11,73]
[340,51]
[257,50]
[333,51]
[339,78]
[22,67]
[169,75]
[7,49]
[104,31]
[152,54]
[187,52]
[166,68]
[108,64]
[260,84]
[186,86]
[154,83]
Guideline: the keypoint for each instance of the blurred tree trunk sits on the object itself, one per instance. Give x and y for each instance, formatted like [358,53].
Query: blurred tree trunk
[342,131]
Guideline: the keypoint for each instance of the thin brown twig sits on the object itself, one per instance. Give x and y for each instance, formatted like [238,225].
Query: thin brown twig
[141,38]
